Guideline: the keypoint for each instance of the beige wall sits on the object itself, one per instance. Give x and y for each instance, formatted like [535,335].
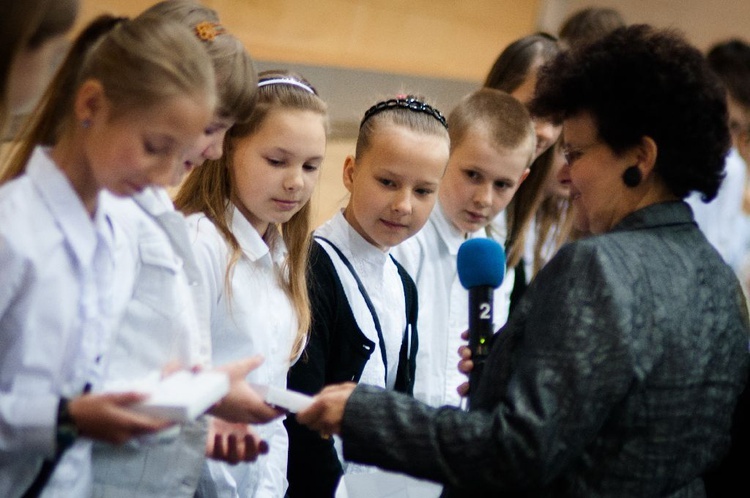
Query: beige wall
[330,194]
[442,38]
[704,22]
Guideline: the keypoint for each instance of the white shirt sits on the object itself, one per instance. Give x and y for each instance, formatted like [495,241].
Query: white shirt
[721,220]
[159,326]
[258,318]
[430,258]
[380,277]
[549,248]
[54,299]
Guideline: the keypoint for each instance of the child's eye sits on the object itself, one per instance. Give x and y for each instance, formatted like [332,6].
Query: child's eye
[150,148]
[274,162]
[472,175]
[310,167]
[502,185]
[571,155]
[386,182]
[423,192]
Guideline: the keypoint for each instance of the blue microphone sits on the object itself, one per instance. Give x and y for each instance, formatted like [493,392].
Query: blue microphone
[481,269]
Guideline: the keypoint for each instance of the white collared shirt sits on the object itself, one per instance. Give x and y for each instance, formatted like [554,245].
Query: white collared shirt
[258,318]
[430,258]
[722,220]
[54,321]
[159,326]
[380,277]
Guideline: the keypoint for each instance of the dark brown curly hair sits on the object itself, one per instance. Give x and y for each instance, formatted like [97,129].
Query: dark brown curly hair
[639,81]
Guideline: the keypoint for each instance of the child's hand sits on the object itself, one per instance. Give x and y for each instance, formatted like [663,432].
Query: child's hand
[233,443]
[242,404]
[465,365]
[106,417]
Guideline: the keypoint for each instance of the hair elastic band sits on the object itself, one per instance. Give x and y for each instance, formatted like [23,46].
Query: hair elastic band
[207,30]
[409,102]
[286,81]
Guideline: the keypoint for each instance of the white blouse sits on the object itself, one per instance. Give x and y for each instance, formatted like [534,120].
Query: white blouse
[258,318]
[55,304]
[430,258]
[380,278]
[159,326]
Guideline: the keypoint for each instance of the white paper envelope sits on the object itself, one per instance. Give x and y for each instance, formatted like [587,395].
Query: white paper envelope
[382,484]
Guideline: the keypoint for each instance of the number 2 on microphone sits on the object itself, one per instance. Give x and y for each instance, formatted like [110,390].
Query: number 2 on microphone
[484,311]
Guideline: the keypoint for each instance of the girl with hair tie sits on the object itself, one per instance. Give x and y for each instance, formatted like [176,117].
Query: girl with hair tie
[130,99]
[364,304]
[250,227]
[160,328]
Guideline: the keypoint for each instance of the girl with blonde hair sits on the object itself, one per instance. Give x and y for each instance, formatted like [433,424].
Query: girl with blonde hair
[250,213]
[131,97]
[160,325]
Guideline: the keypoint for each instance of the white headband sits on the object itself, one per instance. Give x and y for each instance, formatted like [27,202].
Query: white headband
[286,81]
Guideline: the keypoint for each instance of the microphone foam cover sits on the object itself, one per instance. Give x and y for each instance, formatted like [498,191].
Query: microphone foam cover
[481,262]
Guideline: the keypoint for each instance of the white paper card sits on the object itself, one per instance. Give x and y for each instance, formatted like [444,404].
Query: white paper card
[382,484]
[292,401]
[179,397]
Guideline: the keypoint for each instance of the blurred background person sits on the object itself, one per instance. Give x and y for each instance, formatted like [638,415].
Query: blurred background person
[536,222]
[33,33]
[588,25]
[725,220]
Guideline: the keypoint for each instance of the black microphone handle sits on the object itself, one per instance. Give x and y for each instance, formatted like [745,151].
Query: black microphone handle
[480,332]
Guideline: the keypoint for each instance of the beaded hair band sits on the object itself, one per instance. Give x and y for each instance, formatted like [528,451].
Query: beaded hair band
[287,81]
[207,30]
[404,102]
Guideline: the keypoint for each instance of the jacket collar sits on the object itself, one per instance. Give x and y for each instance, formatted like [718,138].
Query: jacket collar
[657,215]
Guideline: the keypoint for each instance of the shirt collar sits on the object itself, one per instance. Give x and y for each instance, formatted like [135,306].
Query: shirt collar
[66,207]
[356,247]
[154,201]
[252,244]
[447,231]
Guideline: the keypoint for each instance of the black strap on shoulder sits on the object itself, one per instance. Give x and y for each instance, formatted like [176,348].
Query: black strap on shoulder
[368,301]
[410,340]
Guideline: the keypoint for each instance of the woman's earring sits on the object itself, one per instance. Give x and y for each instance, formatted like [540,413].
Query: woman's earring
[86,123]
[632,176]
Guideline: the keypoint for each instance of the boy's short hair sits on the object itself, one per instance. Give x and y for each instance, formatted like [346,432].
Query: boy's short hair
[506,119]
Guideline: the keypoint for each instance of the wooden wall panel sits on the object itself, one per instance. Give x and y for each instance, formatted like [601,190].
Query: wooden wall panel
[438,38]
[704,22]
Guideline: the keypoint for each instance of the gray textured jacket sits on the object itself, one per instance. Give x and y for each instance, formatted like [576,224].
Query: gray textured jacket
[616,376]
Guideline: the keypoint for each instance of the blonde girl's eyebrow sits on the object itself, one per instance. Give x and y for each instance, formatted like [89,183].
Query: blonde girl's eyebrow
[286,152]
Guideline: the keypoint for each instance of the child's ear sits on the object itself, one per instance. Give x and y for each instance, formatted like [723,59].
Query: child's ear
[524,175]
[90,101]
[348,174]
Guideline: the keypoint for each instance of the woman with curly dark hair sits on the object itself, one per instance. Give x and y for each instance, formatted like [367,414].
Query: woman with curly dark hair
[618,373]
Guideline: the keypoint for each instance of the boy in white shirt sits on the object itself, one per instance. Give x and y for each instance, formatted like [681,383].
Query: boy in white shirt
[492,146]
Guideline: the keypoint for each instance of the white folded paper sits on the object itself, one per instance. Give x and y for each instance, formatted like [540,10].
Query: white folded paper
[292,401]
[179,397]
[382,484]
